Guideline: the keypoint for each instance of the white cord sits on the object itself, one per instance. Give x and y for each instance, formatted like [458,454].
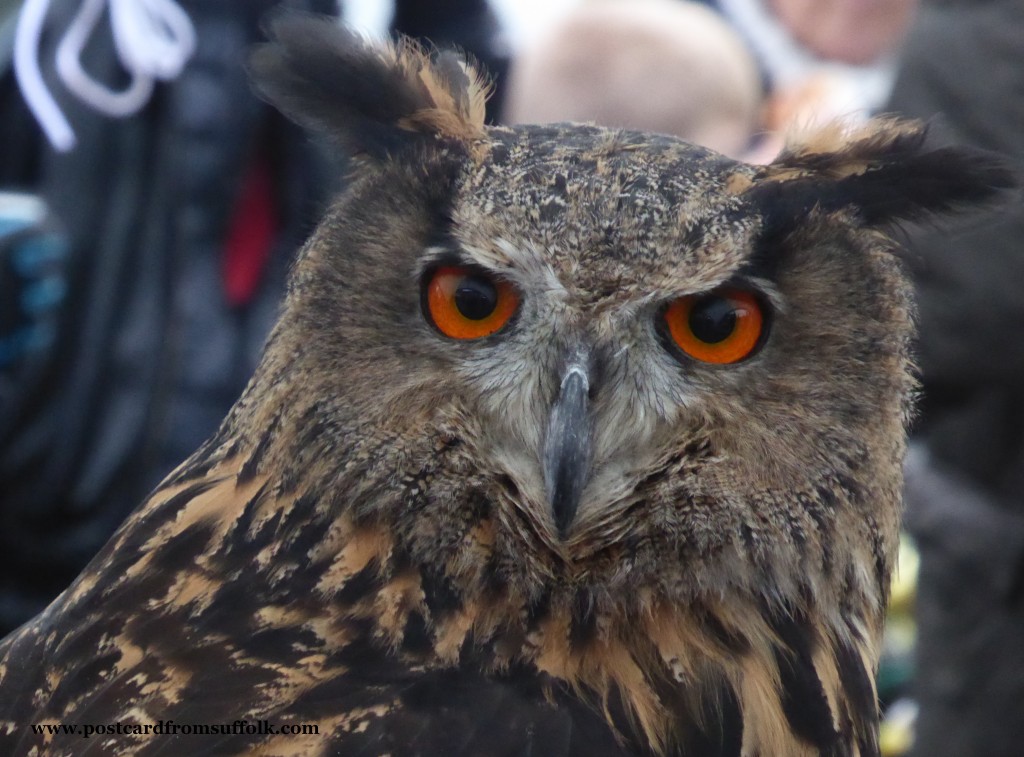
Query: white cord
[154,40]
[164,40]
[69,67]
[30,78]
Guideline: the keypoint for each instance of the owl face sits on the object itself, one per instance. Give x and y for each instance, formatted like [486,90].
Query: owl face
[627,361]
[642,364]
[646,277]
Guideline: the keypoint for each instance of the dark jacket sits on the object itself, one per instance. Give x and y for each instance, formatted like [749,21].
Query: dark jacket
[964,65]
[158,330]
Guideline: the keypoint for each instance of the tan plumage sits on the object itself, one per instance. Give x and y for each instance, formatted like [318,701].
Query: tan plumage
[375,541]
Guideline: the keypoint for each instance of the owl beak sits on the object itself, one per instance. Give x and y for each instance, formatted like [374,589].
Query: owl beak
[567,447]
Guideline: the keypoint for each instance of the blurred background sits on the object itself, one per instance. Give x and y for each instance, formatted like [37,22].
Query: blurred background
[150,206]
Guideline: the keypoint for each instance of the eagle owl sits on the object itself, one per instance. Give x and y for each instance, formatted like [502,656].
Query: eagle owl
[569,441]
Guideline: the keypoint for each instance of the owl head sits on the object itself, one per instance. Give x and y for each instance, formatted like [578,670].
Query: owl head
[611,404]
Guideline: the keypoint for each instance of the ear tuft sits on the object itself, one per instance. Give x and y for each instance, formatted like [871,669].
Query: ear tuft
[372,98]
[839,149]
[884,172]
[457,90]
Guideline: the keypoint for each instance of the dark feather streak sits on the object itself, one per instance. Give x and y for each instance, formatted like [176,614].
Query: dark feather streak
[803,697]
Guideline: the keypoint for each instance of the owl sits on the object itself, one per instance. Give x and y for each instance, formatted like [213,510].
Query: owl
[568,441]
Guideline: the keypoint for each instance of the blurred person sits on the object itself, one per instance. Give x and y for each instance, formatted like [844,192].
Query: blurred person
[824,59]
[655,65]
[963,68]
[858,32]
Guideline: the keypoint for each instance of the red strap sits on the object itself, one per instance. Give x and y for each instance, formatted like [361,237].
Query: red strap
[251,234]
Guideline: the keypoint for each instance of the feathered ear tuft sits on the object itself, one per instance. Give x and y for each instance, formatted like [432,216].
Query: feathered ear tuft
[883,172]
[372,98]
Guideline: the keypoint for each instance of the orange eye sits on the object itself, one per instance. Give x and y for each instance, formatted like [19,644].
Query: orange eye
[721,327]
[465,303]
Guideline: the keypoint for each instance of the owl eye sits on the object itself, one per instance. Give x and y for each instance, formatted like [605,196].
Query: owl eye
[465,303]
[724,326]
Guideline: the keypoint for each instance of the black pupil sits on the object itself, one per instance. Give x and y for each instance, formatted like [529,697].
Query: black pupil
[476,298]
[713,319]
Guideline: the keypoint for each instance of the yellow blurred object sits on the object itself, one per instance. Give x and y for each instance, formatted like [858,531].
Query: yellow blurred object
[896,734]
[904,582]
